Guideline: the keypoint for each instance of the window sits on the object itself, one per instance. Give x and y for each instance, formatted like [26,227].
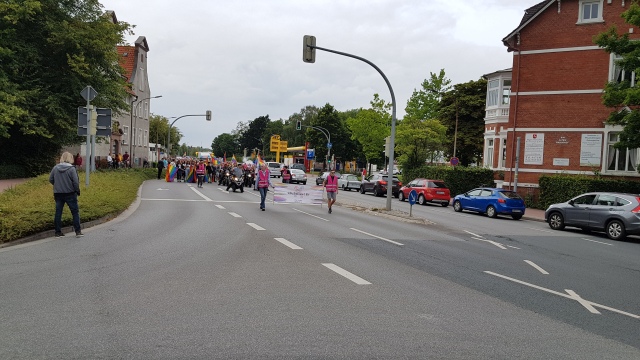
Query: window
[504,153]
[139,137]
[585,199]
[125,135]
[488,159]
[493,92]
[590,11]
[141,80]
[133,138]
[620,160]
[145,141]
[618,74]
[506,91]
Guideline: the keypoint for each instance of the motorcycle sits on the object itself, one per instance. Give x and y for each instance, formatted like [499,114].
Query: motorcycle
[237,182]
[248,179]
[225,177]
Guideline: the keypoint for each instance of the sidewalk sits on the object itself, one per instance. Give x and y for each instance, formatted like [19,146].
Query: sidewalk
[10,183]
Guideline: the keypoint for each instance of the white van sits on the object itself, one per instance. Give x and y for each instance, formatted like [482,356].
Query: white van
[274,168]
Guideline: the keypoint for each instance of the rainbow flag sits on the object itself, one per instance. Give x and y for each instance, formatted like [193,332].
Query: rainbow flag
[172,170]
[233,160]
[191,177]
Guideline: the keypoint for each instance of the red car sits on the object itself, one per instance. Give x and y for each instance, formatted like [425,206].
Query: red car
[434,191]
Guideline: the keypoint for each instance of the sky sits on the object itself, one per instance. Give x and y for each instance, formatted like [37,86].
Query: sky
[243,59]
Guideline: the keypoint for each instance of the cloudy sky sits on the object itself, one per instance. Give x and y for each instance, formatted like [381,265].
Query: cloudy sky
[243,59]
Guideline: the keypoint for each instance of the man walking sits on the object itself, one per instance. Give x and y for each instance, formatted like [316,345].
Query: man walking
[66,189]
[331,184]
[160,167]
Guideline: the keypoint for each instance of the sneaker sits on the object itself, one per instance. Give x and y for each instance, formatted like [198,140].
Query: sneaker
[59,234]
[79,234]
[329,210]
[262,209]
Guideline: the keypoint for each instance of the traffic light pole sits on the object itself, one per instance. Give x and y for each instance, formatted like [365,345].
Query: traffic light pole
[327,134]
[309,43]
[207,115]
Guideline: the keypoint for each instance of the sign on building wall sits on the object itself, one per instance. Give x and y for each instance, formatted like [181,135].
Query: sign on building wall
[591,150]
[534,149]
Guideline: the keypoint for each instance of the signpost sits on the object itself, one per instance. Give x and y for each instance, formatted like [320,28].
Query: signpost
[413,196]
[88,93]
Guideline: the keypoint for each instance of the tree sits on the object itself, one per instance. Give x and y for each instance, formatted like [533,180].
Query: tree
[468,100]
[622,94]
[49,51]
[419,140]
[225,144]
[329,119]
[370,127]
[158,127]
[424,104]
[252,135]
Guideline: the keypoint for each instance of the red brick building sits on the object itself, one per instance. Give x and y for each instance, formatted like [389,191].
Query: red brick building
[551,97]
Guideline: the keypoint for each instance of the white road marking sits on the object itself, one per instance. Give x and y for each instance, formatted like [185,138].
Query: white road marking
[306,213]
[378,237]
[599,242]
[565,295]
[513,247]
[543,230]
[255,226]
[288,243]
[469,232]
[220,207]
[582,301]
[235,215]
[535,266]
[492,243]
[161,189]
[144,199]
[201,194]
[356,279]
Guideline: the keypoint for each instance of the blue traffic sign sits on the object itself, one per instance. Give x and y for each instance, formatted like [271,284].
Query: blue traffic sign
[455,161]
[329,145]
[413,196]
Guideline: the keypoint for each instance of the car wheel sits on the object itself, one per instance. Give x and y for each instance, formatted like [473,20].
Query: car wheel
[375,191]
[445,204]
[556,221]
[304,183]
[491,211]
[457,207]
[342,187]
[615,230]
[517,217]
[421,200]
[401,196]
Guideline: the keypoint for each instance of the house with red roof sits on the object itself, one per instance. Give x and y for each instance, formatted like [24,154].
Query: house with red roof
[545,114]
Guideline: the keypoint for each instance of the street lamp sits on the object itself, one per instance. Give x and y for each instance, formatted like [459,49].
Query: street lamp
[132,124]
[327,134]
[207,115]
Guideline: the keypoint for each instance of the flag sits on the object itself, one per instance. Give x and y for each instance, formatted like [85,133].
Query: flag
[233,159]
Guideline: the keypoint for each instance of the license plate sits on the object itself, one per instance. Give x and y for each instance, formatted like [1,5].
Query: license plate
[516,211]
[440,192]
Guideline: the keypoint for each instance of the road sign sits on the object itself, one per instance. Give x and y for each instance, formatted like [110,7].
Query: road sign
[329,145]
[103,127]
[455,161]
[283,146]
[311,154]
[275,145]
[413,196]
[88,93]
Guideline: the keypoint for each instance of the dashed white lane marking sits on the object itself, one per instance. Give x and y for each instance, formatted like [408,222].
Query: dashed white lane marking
[535,266]
[491,242]
[378,237]
[220,207]
[288,243]
[235,215]
[306,213]
[356,279]
[255,226]
[582,301]
[469,232]
[201,194]
[599,242]
[543,230]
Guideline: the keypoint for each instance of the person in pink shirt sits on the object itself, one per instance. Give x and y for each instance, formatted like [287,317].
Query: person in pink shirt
[331,185]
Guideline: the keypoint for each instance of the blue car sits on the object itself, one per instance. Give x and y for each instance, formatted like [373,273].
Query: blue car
[491,201]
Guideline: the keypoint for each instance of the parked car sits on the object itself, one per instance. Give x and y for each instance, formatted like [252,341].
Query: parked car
[274,168]
[617,214]
[320,179]
[433,191]
[377,183]
[348,182]
[298,177]
[491,201]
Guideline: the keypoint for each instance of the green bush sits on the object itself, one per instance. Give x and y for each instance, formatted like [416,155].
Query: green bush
[12,172]
[559,188]
[459,179]
[29,208]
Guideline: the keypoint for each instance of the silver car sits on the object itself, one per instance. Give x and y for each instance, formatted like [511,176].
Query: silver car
[348,182]
[617,214]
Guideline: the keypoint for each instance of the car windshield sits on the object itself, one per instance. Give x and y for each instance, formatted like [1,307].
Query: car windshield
[437,184]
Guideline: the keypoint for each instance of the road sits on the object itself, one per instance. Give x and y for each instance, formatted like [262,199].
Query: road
[202,273]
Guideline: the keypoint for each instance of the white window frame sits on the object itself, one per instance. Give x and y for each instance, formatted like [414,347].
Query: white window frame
[582,20]
[613,156]
[139,133]
[506,92]
[493,92]
[141,80]
[488,156]
[502,160]
[125,134]
[613,69]
[146,138]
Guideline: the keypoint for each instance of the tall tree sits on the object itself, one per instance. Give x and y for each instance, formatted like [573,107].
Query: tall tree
[329,120]
[252,136]
[418,141]
[370,127]
[622,94]
[225,144]
[49,51]
[424,104]
[158,127]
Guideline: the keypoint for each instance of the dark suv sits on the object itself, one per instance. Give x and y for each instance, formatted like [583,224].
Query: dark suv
[377,183]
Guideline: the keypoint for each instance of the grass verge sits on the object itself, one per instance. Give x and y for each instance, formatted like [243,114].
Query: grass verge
[29,208]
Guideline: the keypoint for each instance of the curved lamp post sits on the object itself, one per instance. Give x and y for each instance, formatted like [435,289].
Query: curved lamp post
[207,116]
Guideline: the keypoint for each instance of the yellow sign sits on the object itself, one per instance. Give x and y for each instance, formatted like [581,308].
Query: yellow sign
[283,146]
[275,145]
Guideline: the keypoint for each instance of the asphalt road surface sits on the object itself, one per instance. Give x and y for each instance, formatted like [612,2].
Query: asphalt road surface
[201,273]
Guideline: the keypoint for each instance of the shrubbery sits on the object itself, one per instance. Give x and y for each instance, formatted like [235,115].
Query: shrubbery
[459,179]
[559,188]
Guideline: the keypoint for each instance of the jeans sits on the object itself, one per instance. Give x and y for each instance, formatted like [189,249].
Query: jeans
[263,195]
[71,200]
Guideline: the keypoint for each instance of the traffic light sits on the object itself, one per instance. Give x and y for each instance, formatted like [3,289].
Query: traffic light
[387,146]
[208,115]
[299,125]
[94,121]
[308,49]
